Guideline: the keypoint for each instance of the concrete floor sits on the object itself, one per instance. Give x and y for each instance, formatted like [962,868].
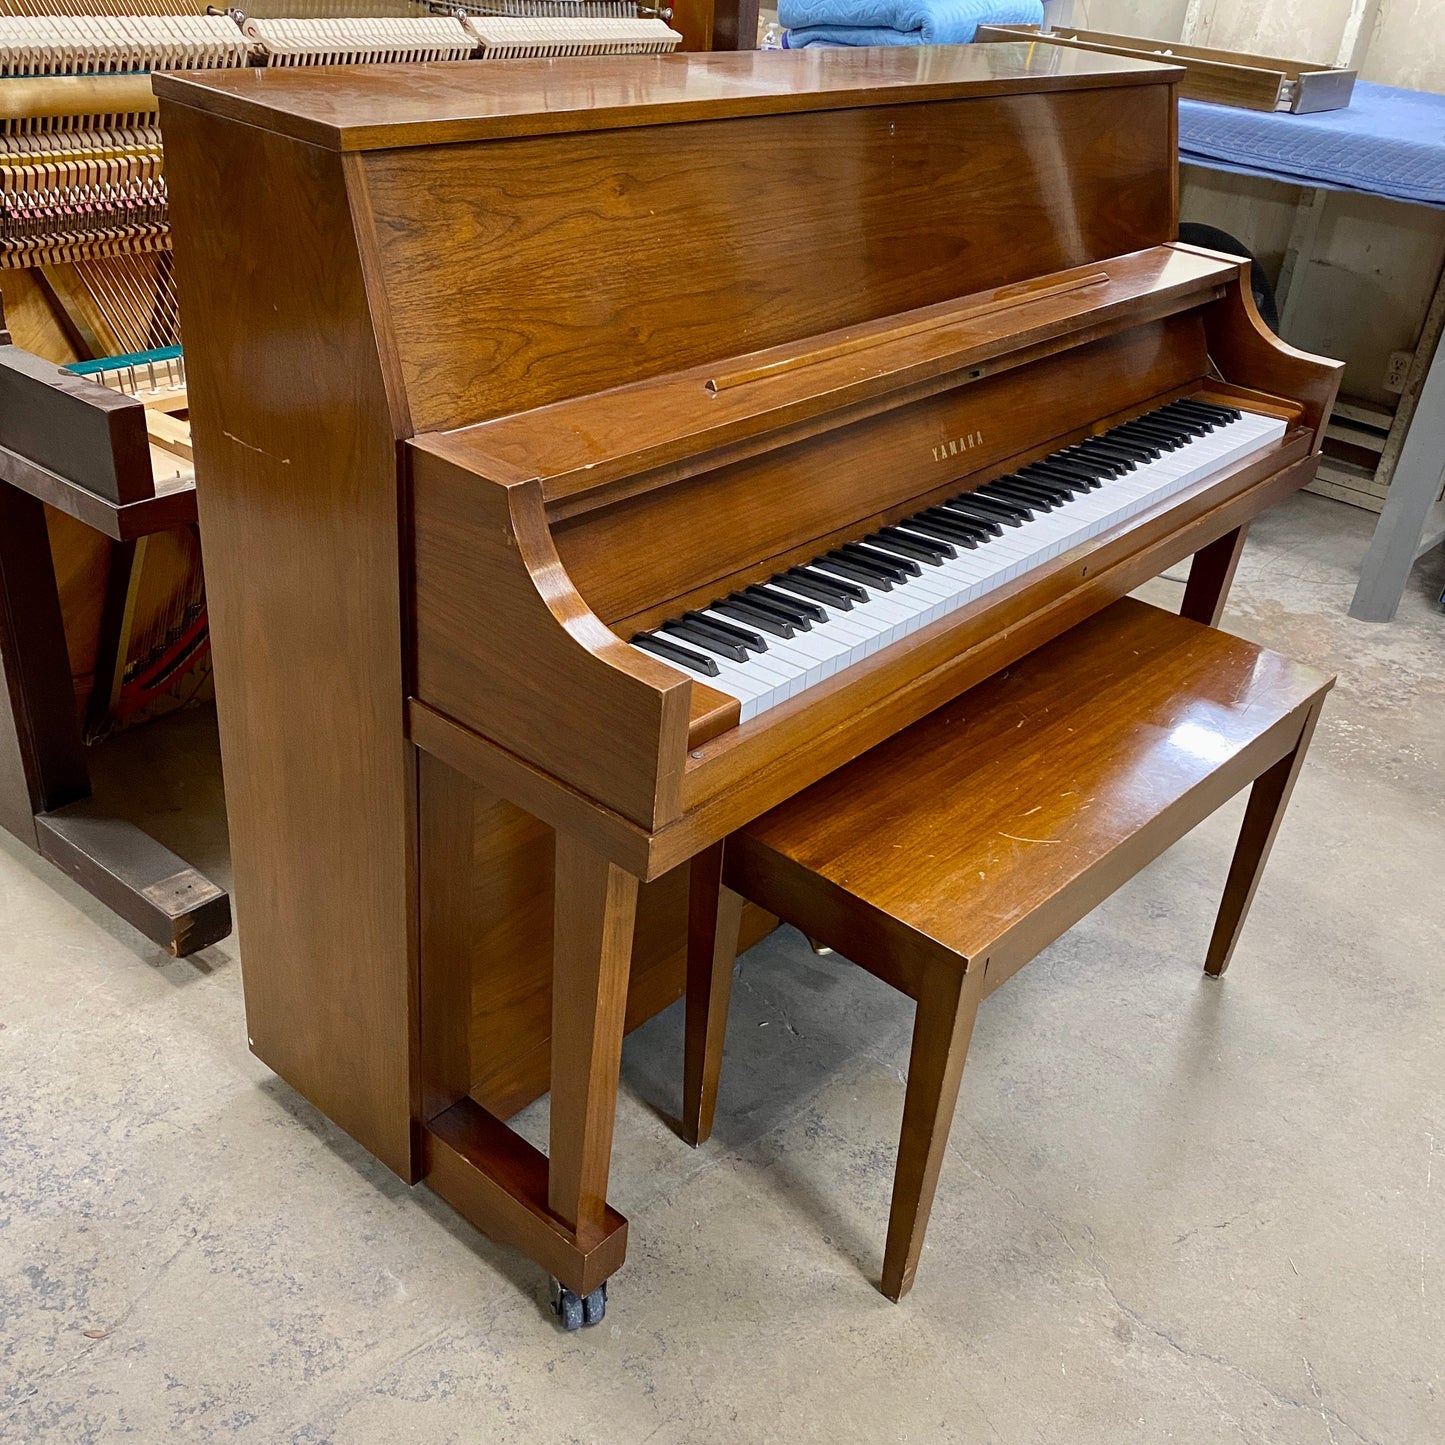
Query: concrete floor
[1172,1209]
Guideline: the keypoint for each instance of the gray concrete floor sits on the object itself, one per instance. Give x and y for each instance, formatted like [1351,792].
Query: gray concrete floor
[1172,1209]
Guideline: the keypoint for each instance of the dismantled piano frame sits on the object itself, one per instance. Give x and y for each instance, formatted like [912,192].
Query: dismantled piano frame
[488,373]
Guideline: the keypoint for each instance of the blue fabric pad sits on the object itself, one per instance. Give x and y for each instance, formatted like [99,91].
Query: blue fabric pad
[1387,142]
[898,22]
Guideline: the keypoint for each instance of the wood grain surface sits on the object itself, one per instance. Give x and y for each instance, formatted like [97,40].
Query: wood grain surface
[297,493]
[553,238]
[377,107]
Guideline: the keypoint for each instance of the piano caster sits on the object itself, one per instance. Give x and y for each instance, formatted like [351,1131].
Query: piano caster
[575,1311]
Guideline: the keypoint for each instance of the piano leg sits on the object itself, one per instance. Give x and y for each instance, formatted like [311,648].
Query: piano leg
[595,910]
[714,918]
[1211,576]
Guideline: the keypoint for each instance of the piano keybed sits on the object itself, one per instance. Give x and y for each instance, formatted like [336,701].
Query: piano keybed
[771,642]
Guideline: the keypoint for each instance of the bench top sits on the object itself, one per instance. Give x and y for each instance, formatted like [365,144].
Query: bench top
[999,820]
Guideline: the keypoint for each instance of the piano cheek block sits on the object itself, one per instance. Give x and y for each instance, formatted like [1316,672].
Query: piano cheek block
[529,486]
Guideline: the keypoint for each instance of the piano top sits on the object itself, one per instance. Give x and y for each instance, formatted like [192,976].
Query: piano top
[383,107]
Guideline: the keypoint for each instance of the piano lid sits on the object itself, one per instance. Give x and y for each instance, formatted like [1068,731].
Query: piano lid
[383,107]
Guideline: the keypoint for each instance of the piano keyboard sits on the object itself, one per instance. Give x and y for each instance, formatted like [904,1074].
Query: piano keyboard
[766,644]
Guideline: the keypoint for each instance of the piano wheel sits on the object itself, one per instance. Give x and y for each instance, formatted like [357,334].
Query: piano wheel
[575,1311]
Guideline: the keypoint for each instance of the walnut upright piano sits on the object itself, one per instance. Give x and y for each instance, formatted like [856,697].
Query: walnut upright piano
[493,373]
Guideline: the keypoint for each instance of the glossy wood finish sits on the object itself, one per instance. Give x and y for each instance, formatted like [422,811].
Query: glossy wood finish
[295,455]
[1008,815]
[840,187]
[594,911]
[1211,576]
[386,107]
[1268,799]
[593,450]
[714,918]
[948,1001]
[443,254]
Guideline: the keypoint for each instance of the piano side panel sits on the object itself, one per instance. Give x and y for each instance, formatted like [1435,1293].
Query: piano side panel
[582,262]
[297,495]
[734,520]
[487,946]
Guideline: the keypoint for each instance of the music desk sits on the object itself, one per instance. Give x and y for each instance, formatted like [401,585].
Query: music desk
[1390,143]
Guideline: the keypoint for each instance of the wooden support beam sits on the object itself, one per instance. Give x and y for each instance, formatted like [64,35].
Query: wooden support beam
[156,892]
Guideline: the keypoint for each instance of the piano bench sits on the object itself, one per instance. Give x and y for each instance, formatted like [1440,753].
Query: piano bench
[949,856]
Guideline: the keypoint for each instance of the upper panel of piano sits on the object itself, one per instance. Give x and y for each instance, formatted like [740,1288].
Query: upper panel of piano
[612,238]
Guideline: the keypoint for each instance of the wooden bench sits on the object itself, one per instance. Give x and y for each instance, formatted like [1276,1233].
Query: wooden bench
[947,858]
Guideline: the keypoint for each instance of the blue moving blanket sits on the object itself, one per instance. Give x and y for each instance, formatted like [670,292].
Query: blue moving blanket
[898,22]
[1388,142]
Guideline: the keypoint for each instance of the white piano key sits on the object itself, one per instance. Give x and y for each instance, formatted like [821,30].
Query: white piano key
[788,667]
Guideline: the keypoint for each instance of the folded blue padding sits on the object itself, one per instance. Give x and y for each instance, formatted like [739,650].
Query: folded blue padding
[898,22]
[1387,143]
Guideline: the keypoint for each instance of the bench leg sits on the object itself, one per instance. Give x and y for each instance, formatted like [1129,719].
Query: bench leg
[943,1025]
[714,916]
[1268,799]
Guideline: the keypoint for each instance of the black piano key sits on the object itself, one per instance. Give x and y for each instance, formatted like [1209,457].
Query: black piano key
[1100,447]
[1095,460]
[906,565]
[1154,435]
[945,529]
[835,564]
[997,507]
[743,636]
[1143,451]
[1193,425]
[1210,408]
[1182,408]
[705,638]
[922,549]
[1074,475]
[1054,493]
[878,566]
[993,516]
[676,652]
[1182,427]
[952,526]
[821,588]
[1016,496]
[798,611]
[755,617]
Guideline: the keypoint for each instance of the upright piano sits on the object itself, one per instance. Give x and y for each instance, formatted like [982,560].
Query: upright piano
[590,455]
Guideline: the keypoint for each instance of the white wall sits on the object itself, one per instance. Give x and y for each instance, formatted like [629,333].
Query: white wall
[1376,263]
[1406,38]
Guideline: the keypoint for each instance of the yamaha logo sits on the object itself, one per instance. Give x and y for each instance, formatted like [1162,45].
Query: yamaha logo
[966,443]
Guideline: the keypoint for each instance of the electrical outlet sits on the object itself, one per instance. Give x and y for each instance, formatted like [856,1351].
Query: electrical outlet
[1397,372]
